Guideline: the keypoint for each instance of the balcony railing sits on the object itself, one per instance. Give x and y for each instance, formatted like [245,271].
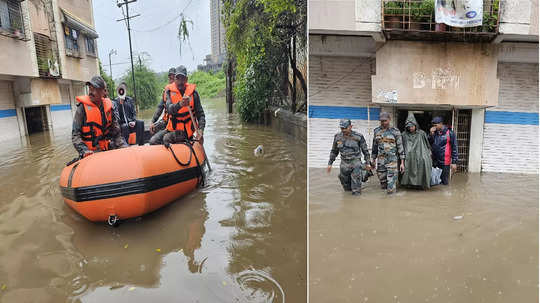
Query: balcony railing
[47,57]
[415,20]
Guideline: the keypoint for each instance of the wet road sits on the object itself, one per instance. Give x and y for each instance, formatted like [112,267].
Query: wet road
[242,238]
[410,248]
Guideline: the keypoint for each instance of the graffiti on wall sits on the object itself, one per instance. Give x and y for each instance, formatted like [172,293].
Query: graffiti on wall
[441,78]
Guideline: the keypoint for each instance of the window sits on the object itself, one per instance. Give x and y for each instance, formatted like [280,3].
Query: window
[11,16]
[71,36]
[90,46]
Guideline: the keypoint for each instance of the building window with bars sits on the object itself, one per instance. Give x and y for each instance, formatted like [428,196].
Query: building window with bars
[71,37]
[11,18]
[90,46]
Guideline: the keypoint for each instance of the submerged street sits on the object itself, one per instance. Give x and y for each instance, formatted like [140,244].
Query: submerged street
[242,238]
[474,241]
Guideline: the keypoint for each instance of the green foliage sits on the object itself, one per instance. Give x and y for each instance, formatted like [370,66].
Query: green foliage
[111,87]
[393,8]
[209,85]
[149,88]
[258,34]
[489,19]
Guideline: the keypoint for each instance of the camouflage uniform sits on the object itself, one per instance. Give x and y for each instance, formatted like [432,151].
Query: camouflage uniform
[351,170]
[387,148]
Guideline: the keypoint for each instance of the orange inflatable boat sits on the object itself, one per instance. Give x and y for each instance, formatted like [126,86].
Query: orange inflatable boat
[130,182]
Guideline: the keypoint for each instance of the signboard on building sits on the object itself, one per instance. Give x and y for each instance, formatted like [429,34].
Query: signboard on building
[459,13]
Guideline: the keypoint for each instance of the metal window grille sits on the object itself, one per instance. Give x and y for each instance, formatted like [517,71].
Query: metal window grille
[415,20]
[463,137]
[90,46]
[11,18]
[71,36]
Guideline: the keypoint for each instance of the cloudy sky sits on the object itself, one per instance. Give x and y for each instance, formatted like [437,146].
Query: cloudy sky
[154,32]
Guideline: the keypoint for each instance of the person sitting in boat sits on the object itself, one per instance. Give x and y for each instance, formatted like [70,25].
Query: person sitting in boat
[159,128]
[126,115]
[186,115]
[95,127]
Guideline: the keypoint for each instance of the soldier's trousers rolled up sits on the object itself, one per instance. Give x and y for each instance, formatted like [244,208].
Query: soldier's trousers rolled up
[351,173]
[387,171]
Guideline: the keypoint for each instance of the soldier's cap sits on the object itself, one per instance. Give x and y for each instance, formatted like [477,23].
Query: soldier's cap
[384,116]
[97,82]
[436,120]
[181,70]
[344,123]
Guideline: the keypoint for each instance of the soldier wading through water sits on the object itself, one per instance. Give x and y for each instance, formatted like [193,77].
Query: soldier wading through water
[351,145]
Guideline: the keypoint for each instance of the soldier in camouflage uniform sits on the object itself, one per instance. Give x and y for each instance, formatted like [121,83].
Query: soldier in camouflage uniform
[350,145]
[387,149]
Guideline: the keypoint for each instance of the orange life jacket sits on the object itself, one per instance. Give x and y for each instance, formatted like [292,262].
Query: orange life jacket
[94,129]
[181,120]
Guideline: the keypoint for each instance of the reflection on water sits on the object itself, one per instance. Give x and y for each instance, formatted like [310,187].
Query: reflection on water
[239,239]
[473,241]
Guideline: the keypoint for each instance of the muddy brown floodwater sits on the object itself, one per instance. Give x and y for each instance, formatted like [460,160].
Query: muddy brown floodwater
[415,247]
[242,238]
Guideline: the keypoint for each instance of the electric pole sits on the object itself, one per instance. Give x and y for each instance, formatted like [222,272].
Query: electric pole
[126,3]
[111,52]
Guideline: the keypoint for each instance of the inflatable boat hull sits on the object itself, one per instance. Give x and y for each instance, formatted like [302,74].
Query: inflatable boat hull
[133,181]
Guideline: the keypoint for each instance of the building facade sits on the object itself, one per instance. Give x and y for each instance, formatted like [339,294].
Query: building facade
[49,52]
[483,81]
[214,61]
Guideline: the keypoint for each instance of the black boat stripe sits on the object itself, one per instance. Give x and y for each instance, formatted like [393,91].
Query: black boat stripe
[130,187]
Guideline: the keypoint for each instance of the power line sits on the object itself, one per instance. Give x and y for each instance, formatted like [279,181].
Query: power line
[166,23]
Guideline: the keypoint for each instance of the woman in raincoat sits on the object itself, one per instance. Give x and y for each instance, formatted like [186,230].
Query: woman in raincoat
[418,155]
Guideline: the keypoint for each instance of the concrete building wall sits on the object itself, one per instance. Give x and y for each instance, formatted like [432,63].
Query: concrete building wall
[331,16]
[419,73]
[61,115]
[511,129]
[18,57]
[519,17]
[8,113]
[81,8]
[85,66]
[339,87]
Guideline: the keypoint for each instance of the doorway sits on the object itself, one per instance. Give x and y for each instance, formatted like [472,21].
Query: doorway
[459,120]
[423,117]
[36,119]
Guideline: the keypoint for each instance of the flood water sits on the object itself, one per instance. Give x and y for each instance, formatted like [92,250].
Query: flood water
[415,247]
[242,238]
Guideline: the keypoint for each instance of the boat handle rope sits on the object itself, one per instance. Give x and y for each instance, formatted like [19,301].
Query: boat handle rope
[168,146]
[200,181]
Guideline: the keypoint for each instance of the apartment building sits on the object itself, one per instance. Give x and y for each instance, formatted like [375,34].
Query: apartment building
[49,52]
[368,56]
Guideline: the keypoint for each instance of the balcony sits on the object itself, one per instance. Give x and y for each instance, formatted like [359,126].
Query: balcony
[47,57]
[415,20]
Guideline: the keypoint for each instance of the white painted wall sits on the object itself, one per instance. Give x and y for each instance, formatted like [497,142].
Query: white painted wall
[512,147]
[61,119]
[9,126]
[337,81]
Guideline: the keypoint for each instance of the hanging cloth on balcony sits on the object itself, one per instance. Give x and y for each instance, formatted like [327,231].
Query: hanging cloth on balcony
[459,13]
[76,23]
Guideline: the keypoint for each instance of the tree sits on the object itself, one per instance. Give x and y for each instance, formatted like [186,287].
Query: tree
[148,86]
[259,32]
